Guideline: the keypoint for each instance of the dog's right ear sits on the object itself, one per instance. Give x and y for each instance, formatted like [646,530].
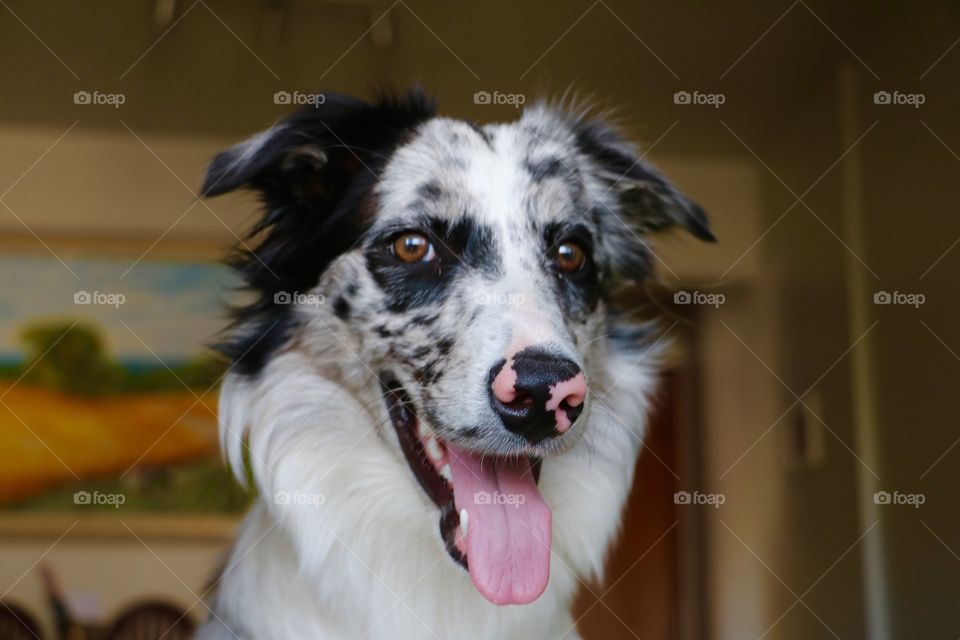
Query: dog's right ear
[316,150]
[271,155]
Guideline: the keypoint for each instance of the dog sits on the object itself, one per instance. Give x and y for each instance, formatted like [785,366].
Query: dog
[433,387]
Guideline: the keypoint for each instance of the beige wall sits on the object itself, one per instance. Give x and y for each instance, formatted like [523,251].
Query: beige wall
[910,197]
[121,184]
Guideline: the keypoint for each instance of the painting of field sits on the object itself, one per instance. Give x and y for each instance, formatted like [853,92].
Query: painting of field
[107,387]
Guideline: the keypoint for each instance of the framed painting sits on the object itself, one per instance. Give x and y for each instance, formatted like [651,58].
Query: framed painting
[108,387]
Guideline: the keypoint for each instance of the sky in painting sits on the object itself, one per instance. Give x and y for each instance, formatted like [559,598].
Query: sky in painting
[169,309]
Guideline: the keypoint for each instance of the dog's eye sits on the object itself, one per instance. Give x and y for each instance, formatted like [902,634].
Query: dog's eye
[413,247]
[570,257]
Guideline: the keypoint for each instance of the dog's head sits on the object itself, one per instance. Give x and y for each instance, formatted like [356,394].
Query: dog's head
[470,270]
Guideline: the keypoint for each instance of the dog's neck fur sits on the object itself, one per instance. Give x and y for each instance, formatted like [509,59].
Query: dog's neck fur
[368,561]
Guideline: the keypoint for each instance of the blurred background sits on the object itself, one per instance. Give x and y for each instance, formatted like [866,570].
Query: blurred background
[799,479]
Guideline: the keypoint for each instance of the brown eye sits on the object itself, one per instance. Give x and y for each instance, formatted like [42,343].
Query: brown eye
[570,257]
[413,247]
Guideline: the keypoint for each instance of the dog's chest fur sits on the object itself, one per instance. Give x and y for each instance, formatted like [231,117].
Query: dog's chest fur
[367,561]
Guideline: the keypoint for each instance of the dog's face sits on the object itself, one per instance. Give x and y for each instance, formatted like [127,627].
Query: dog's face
[472,269]
[482,283]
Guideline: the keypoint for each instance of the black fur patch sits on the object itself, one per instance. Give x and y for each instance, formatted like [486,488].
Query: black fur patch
[424,319]
[444,346]
[430,190]
[421,352]
[540,170]
[579,291]
[465,244]
[341,308]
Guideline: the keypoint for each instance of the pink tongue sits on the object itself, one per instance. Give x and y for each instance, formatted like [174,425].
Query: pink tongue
[508,526]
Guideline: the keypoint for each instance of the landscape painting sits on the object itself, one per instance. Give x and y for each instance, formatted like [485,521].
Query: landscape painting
[108,387]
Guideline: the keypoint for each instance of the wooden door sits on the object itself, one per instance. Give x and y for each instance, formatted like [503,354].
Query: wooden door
[639,598]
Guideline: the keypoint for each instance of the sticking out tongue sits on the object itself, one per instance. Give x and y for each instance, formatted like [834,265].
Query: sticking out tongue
[508,526]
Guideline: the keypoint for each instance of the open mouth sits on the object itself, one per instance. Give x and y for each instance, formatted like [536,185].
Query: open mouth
[493,520]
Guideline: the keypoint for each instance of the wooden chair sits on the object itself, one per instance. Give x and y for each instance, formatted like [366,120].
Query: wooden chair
[17,624]
[152,621]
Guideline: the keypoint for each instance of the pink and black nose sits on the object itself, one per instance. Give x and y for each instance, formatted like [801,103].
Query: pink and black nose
[537,395]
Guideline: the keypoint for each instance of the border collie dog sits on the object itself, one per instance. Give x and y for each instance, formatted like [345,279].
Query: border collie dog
[433,389]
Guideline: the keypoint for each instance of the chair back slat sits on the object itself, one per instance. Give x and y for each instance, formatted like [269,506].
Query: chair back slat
[17,624]
[152,621]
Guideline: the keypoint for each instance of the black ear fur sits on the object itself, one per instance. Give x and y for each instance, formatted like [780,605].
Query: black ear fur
[339,128]
[270,153]
[646,197]
[314,171]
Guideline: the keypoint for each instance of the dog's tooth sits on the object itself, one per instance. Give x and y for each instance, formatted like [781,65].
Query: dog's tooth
[464,517]
[433,448]
[446,473]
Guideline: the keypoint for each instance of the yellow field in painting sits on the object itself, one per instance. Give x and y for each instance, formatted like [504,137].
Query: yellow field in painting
[47,437]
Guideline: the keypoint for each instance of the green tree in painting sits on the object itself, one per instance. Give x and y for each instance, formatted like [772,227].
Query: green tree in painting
[70,358]
[203,372]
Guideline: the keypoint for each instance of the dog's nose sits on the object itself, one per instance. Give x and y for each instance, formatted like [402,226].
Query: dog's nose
[537,394]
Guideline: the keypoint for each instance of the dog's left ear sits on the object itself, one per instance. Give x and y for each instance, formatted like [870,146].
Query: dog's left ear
[646,198]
